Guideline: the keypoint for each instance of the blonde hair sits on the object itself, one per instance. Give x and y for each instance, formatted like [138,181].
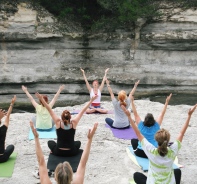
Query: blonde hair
[122,95]
[63,173]
[162,137]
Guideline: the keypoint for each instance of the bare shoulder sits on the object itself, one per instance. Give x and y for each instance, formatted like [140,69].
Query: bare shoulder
[76,181]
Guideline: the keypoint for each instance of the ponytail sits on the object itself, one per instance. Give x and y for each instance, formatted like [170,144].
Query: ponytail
[162,137]
[66,116]
[122,97]
[163,150]
[123,103]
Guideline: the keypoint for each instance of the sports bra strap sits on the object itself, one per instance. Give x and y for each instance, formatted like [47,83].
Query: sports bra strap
[69,126]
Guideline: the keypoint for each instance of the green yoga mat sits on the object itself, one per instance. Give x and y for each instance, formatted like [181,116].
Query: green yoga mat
[6,168]
[131,181]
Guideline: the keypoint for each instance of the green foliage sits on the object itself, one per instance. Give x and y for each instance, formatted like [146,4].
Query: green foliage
[95,14]
[104,22]
[65,11]
[131,11]
[55,7]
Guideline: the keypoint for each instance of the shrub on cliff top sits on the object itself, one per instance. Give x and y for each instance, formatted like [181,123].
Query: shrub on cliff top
[107,13]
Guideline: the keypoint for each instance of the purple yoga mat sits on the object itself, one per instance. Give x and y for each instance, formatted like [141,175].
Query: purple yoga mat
[77,111]
[123,133]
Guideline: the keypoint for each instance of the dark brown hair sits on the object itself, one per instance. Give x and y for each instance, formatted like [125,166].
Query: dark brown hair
[162,137]
[66,116]
[95,81]
[45,98]
[149,120]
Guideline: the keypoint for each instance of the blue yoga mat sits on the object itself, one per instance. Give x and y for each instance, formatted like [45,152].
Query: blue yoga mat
[142,162]
[44,134]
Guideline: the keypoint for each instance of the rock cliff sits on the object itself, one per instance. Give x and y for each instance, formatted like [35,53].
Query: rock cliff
[42,53]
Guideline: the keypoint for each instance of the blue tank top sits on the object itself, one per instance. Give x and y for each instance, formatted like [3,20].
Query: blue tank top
[148,133]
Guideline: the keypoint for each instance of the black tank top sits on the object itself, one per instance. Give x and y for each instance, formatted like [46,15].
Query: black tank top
[3,130]
[65,137]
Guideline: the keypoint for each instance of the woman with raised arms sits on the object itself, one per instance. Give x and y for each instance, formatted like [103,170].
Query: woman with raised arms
[161,158]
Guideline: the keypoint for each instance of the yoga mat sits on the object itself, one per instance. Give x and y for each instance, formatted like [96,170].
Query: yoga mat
[144,162]
[77,112]
[131,181]
[7,168]
[44,134]
[127,134]
[53,161]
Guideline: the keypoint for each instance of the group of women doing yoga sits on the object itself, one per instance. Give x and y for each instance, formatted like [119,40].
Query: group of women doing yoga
[152,142]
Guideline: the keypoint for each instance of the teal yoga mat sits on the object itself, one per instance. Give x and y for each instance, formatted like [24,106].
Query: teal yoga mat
[7,168]
[44,134]
[144,162]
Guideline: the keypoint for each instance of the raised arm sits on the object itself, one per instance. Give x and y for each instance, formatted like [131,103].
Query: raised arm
[160,118]
[86,81]
[103,81]
[135,128]
[136,115]
[7,119]
[43,172]
[34,103]
[76,119]
[134,88]
[56,95]
[184,128]
[79,177]
[55,118]
[110,90]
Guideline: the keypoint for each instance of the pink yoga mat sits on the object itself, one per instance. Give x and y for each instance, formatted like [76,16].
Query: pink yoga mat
[127,134]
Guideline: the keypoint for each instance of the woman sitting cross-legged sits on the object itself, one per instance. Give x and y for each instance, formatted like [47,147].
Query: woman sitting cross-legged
[160,159]
[65,129]
[148,127]
[43,120]
[121,120]
[5,153]
[96,89]
[63,171]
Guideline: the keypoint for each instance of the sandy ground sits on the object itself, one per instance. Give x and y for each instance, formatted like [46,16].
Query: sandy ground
[108,161]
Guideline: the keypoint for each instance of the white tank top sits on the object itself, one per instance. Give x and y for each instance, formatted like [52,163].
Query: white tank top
[98,99]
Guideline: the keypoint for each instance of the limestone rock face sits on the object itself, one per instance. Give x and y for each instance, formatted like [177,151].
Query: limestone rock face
[42,53]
